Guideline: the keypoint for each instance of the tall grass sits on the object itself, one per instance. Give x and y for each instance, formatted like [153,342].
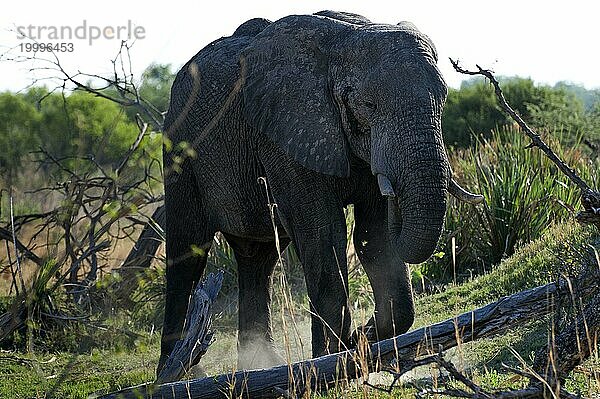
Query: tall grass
[524,194]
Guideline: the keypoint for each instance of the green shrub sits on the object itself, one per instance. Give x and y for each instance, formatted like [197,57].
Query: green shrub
[472,112]
[524,194]
[81,125]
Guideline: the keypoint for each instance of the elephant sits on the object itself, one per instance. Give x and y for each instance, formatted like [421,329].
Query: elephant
[329,110]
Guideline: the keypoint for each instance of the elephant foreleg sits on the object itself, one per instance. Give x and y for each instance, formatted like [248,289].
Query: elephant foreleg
[388,275]
[326,271]
[322,251]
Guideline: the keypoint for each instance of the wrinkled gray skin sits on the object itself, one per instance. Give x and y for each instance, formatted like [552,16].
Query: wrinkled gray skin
[331,104]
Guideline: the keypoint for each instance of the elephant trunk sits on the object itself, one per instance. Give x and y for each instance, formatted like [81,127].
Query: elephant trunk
[415,179]
[414,230]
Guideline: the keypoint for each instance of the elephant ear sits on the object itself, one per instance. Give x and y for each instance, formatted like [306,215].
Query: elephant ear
[286,92]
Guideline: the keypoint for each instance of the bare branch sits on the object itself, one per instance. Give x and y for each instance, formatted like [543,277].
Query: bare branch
[14,241]
[6,235]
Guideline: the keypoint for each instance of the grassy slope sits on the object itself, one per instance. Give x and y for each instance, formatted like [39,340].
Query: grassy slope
[529,267]
[75,376]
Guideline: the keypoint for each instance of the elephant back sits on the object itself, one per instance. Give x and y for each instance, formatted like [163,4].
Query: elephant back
[203,85]
[347,17]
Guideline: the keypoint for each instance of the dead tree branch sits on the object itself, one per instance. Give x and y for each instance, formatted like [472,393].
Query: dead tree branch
[25,251]
[121,80]
[590,199]
[197,334]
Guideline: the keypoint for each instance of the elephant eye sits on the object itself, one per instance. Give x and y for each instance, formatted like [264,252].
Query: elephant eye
[371,106]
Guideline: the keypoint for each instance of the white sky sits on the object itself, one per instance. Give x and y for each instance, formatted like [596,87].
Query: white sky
[548,41]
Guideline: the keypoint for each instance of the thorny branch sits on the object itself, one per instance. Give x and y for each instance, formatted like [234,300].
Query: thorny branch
[590,199]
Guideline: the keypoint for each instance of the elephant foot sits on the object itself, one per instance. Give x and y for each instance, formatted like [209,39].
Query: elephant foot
[364,334]
[197,372]
[258,355]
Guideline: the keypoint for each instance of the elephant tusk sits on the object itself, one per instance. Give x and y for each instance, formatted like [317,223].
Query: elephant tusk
[463,195]
[385,186]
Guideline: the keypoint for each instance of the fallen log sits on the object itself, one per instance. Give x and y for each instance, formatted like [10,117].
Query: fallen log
[397,352]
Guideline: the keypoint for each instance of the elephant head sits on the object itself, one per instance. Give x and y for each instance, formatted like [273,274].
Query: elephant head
[334,86]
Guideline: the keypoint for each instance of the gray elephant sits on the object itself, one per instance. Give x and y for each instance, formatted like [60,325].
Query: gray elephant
[331,110]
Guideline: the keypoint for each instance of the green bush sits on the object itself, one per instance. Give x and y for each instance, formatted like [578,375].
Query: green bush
[69,126]
[524,193]
[81,125]
[472,112]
